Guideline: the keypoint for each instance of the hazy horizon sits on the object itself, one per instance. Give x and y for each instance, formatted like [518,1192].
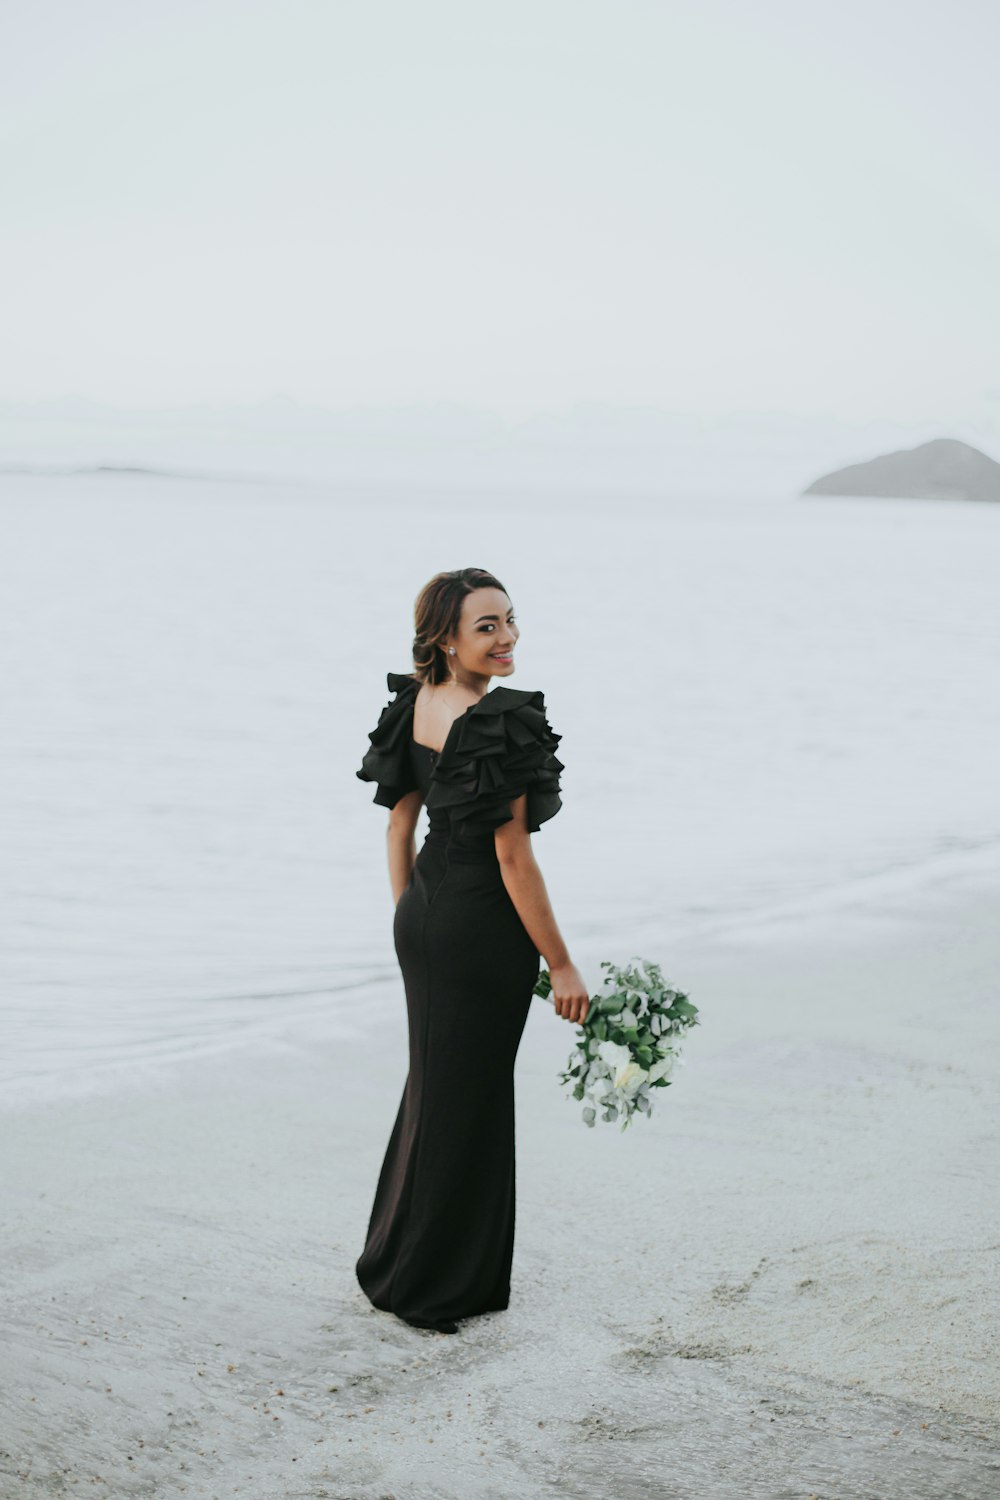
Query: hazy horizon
[588,446]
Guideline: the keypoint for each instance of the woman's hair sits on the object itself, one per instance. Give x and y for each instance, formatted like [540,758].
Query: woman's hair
[436,615]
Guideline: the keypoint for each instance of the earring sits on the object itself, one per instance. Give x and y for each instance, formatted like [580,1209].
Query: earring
[451,651]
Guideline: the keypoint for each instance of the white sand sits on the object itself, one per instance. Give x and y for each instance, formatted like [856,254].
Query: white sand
[779,1286]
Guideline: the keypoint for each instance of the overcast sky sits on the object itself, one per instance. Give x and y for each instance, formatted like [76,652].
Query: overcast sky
[702,205]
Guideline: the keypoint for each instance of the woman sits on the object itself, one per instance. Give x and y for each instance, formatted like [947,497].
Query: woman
[472,917]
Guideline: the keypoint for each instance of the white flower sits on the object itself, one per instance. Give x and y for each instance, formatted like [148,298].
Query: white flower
[630,1078]
[615,1055]
[625,1071]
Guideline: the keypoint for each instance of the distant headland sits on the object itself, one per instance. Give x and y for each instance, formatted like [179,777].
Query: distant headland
[943,469]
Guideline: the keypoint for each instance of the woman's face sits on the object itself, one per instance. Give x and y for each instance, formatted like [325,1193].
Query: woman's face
[484,642]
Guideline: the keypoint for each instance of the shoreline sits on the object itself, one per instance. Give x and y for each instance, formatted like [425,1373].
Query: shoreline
[862,904]
[790,1266]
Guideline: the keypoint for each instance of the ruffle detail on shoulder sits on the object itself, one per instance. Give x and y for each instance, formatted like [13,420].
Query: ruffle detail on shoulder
[503,746]
[388,760]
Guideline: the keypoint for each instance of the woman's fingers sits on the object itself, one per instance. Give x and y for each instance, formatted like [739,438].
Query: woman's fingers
[573,1007]
[569,993]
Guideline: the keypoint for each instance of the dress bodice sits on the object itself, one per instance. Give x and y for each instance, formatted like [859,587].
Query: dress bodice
[501,747]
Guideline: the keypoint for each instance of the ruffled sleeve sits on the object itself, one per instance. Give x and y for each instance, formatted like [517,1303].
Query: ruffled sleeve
[504,746]
[388,760]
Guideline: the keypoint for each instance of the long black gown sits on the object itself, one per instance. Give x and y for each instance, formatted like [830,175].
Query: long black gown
[441,1237]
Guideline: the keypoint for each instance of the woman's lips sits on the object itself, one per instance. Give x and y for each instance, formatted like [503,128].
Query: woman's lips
[502,656]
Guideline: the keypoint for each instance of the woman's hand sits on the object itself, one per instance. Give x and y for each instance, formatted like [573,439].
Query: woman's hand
[569,993]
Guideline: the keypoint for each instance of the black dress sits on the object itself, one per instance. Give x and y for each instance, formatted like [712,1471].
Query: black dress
[441,1237]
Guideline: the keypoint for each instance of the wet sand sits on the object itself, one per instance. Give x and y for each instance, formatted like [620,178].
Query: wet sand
[780,1286]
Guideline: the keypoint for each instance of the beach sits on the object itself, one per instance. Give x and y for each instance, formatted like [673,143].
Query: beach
[779,733]
[679,323]
[780,1285]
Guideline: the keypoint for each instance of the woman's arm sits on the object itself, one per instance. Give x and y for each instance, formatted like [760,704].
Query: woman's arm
[401,845]
[526,888]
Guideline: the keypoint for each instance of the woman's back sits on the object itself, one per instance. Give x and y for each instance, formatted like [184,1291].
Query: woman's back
[499,748]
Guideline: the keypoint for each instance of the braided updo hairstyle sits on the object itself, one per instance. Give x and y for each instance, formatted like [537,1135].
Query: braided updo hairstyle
[436,615]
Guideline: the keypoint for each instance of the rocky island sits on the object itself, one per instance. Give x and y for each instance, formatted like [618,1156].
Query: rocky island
[944,469]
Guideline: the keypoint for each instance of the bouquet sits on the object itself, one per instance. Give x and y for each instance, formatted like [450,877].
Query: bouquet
[628,1044]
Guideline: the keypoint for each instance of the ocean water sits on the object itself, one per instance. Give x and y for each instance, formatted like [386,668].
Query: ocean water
[766,706]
